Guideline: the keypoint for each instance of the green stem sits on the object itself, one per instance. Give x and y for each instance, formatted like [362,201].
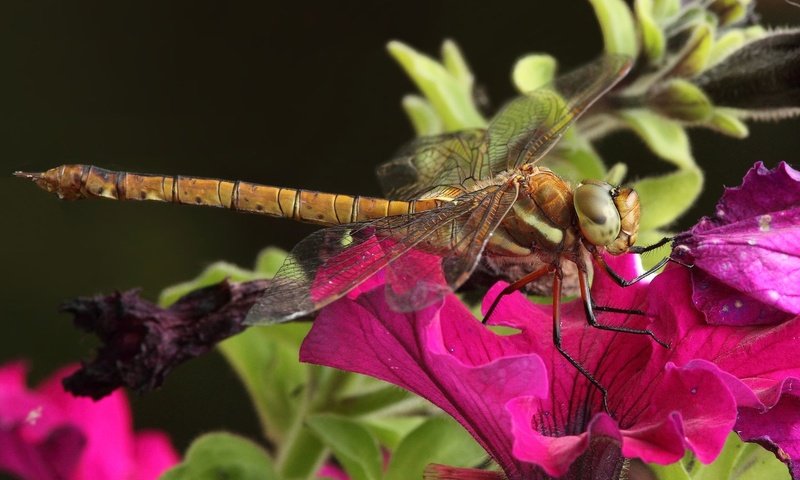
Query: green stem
[300,454]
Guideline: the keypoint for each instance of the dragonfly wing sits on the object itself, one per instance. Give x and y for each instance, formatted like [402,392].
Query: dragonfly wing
[445,243]
[420,278]
[429,162]
[530,125]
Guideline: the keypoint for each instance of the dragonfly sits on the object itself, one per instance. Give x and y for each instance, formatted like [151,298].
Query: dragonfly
[475,199]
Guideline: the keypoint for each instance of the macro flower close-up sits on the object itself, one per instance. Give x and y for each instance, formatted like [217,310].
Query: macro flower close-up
[532,410]
[370,241]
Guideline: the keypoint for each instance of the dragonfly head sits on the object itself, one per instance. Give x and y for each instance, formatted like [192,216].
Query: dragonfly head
[608,216]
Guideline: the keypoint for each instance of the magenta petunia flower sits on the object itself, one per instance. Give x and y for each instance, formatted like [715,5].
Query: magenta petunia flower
[747,256]
[538,416]
[46,433]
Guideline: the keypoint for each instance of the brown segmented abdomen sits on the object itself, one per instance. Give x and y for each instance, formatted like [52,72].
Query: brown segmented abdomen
[73,182]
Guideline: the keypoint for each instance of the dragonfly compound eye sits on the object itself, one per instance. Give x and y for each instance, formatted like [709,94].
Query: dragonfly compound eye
[598,217]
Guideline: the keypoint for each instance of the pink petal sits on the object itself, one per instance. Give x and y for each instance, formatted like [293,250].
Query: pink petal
[441,353]
[106,423]
[759,364]
[747,257]
[53,457]
[153,454]
[663,401]
[48,433]
[777,429]
[332,472]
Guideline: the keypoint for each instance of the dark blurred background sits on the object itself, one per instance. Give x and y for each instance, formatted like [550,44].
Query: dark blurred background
[298,94]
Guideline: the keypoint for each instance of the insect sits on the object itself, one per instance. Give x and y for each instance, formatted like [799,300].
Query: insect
[470,199]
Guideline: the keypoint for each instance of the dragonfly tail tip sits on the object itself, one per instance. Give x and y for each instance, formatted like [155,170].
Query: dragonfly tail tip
[32,176]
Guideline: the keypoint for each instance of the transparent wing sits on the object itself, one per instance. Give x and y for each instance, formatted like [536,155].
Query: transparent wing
[429,254]
[429,162]
[522,132]
[529,126]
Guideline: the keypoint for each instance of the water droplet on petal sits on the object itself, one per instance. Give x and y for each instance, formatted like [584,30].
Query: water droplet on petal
[764,222]
[693,391]
[34,415]
[773,295]
[752,242]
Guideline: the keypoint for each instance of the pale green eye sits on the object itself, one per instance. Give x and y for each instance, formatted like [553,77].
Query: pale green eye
[598,217]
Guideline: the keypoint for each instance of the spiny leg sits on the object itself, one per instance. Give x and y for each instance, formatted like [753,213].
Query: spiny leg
[618,278]
[557,341]
[658,244]
[637,250]
[600,308]
[586,297]
[511,288]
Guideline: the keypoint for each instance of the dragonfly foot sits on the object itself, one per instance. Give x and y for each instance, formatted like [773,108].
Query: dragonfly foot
[678,262]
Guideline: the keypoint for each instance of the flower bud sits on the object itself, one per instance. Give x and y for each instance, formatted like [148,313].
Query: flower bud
[681,100]
[762,78]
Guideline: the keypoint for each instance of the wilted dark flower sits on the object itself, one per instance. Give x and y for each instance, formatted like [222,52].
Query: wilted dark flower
[143,342]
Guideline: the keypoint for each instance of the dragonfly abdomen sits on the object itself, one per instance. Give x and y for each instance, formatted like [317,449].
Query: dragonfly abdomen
[74,182]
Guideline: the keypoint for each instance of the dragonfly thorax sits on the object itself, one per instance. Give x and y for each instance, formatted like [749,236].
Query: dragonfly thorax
[551,216]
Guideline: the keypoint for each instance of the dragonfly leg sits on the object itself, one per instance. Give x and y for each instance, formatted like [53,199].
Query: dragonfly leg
[654,246]
[557,341]
[600,308]
[511,288]
[586,296]
[618,278]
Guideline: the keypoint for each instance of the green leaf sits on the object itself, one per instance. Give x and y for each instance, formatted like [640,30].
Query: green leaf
[214,273]
[665,198]
[616,174]
[616,23]
[724,45]
[450,98]
[665,137]
[533,71]
[576,161]
[422,116]
[265,359]
[724,121]
[370,402]
[729,11]
[301,456]
[439,440]
[352,444]
[391,430]
[269,260]
[681,100]
[730,41]
[215,456]
[695,55]
[654,43]
[737,461]
[757,463]
[664,9]
[675,471]
[455,63]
